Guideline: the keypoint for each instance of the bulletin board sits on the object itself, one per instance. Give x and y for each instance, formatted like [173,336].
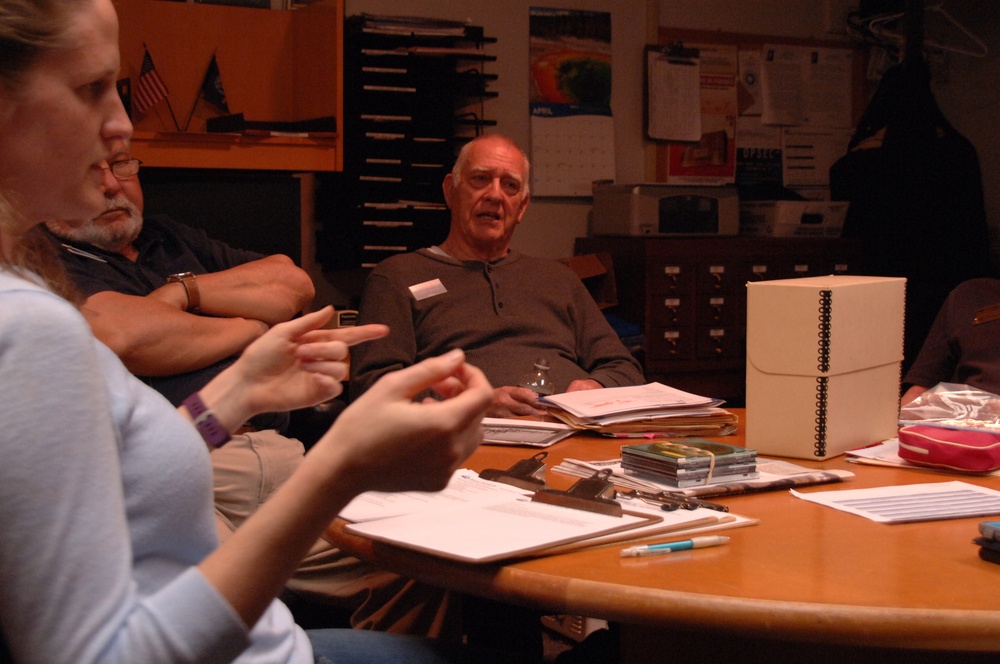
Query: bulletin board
[720,47]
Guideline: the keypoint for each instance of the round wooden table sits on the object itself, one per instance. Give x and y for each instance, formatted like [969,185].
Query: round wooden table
[806,574]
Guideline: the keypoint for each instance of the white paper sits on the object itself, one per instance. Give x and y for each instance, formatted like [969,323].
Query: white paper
[504,431]
[911,502]
[674,88]
[491,531]
[802,85]
[465,488]
[504,421]
[749,84]
[828,86]
[807,154]
[886,453]
[757,136]
[612,400]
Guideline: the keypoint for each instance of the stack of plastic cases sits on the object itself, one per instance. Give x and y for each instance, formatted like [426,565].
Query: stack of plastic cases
[989,541]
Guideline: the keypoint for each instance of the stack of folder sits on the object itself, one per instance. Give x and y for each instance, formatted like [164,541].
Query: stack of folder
[690,463]
[642,411]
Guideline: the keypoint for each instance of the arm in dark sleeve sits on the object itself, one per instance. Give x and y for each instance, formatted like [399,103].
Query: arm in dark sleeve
[383,302]
[599,348]
[239,283]
[937,359]
[213,254]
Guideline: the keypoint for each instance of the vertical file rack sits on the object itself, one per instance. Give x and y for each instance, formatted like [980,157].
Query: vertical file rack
[414,92]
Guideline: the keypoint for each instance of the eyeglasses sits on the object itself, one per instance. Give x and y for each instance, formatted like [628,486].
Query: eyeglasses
[124,169]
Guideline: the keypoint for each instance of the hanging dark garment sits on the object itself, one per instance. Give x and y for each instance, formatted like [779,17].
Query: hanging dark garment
[916,197]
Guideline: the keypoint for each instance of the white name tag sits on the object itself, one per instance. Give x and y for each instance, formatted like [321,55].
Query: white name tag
[427,289]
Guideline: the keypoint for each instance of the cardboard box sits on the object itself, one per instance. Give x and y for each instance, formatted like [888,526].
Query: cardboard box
[823,363]
[597,273]
[792,218]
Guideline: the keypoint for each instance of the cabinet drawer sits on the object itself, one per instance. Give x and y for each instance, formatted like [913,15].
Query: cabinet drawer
[671,278]
[719,342]
[672,311]
[760,270]
[791,267]
[671,344]
[720,278]
[719,310]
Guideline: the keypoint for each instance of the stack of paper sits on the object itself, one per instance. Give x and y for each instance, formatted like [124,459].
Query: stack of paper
[647,410]
[504,431]
[912,502]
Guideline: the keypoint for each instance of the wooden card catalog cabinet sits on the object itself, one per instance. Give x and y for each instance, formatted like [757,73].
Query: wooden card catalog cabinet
[688,295]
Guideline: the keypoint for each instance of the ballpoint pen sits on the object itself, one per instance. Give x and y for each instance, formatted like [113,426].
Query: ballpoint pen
[668,547]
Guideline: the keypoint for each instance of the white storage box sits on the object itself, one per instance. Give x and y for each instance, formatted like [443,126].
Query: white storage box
[793,218]
[823,363]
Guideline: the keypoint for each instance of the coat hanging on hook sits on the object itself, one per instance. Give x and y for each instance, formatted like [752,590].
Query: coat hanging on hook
[916,197]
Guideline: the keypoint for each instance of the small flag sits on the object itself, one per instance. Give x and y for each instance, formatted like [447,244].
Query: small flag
[124,86]
[150,90]
[211,87]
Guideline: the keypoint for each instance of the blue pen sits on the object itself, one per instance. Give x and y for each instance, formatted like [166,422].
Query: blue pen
[667,547]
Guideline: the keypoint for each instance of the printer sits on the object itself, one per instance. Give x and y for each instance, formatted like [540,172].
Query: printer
[660,209]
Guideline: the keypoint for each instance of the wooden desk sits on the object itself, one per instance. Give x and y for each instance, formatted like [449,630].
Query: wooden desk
[807,574]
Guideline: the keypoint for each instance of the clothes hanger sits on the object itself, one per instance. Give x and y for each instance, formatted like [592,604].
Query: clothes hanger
[981,50]
[888,30]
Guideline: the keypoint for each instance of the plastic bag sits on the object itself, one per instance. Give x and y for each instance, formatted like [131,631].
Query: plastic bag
[955,406]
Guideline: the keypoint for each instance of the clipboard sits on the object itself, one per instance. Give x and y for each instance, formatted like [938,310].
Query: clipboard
[515,528]
[672,93]
[592,494]
[527,474]
[510,524]
[708,522]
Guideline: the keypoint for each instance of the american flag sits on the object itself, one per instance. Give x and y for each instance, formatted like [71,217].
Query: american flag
[151,89]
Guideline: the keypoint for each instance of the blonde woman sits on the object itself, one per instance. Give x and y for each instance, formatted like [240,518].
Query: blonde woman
[109,552]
